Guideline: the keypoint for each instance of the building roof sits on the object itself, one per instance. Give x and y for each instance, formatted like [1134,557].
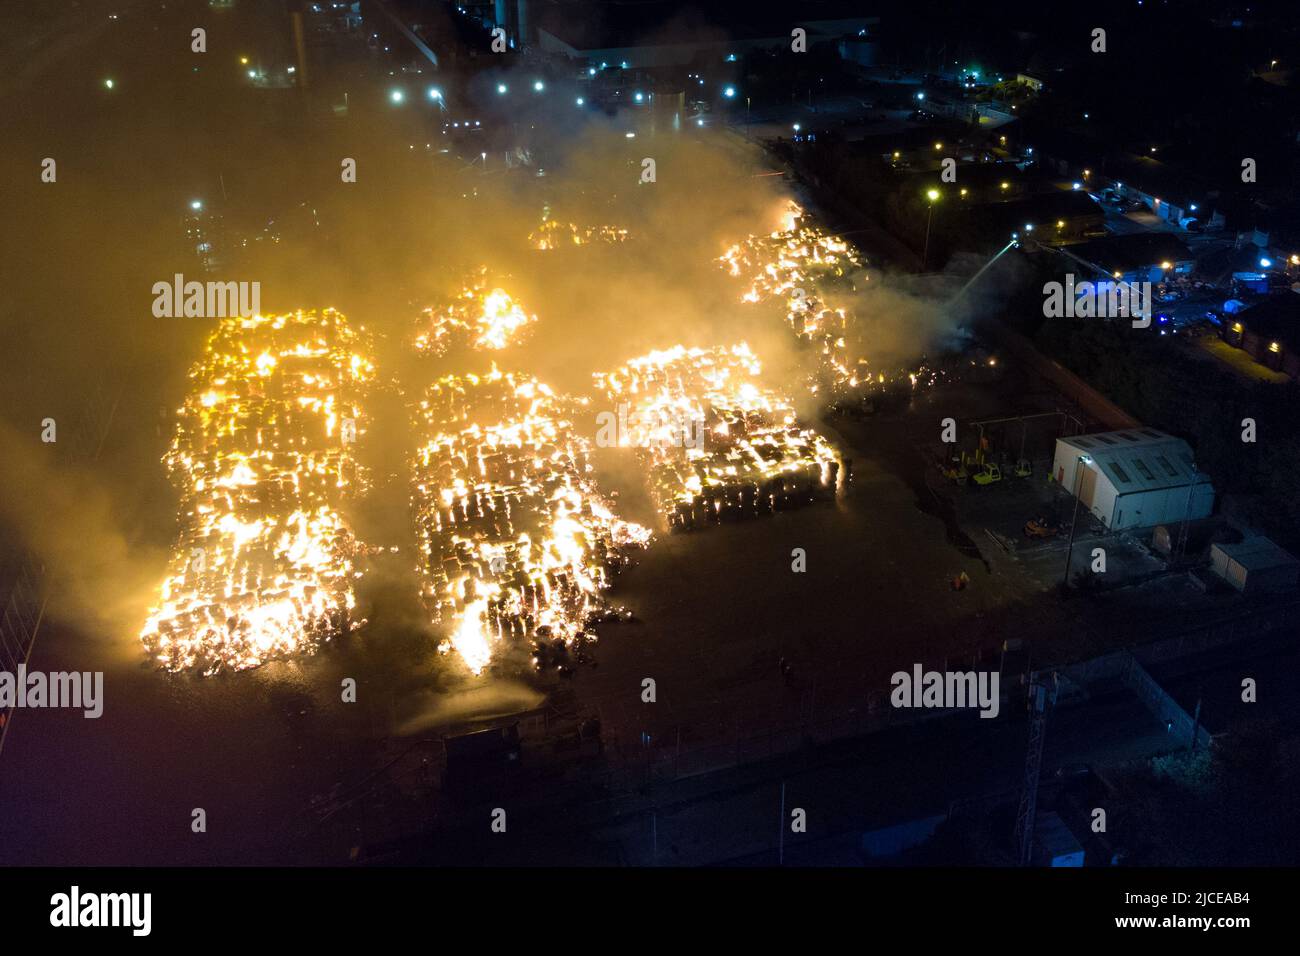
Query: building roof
[1276,318]
[1139,459]
[1054,837]
[1140,250]
[1258,554]
[1043,209]
[1160,179]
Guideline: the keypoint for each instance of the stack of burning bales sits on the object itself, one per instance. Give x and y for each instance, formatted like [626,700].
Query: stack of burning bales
[516,544]
[263,457]
[801,266]
[718,445]
[481,317]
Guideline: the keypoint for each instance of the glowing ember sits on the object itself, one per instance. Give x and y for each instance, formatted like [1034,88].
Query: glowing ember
[480,317]
[747,453]
[263,458]
[554,235]
[515,542]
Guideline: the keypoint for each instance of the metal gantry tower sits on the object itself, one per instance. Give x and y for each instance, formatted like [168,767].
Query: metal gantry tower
[1042,697]
[19,622]
[24,609]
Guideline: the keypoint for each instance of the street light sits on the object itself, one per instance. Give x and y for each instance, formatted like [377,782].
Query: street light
[1187,514]
[435,93]
[933,196]
[501,88]
[1078,485]
[729,92]
[397,96]
[539,86]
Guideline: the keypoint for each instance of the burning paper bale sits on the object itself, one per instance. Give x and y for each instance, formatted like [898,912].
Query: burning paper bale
[515,541]
[555,235]
[480,317]
[719,445]
[263,457]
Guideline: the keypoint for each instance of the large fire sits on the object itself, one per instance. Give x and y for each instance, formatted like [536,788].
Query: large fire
[719,444]
[263,458]
[796,264]
[801,265]
[515,541]
[482,316]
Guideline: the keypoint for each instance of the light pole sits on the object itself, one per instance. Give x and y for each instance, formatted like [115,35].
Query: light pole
[1078,487]
[933,196]
[1187,516]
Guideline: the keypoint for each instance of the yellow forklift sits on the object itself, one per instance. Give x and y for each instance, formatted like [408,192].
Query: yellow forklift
[954,469]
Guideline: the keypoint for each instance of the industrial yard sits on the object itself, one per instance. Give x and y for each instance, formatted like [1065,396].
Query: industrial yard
[569,434]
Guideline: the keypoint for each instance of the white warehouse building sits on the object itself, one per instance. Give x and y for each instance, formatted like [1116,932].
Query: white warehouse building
[1136,478]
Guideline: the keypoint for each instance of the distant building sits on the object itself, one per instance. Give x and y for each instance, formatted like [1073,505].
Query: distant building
[659,33]
[1136,478]
[1054,218]
[1255,565]
[1137,257]
[1054,844]
[1170,192]
[1269,332]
